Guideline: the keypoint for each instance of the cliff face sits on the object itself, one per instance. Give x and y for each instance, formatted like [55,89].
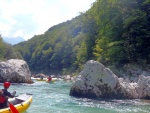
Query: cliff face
[15,71]
[97,81]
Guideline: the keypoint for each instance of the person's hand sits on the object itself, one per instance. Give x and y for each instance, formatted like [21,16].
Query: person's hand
[6,97]
[14,93]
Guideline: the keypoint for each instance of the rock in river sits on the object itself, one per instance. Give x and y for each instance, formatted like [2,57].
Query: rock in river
[15,71]
[97,81]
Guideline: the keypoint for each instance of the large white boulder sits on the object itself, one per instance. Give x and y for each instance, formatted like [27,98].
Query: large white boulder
[97,81]
[15,71]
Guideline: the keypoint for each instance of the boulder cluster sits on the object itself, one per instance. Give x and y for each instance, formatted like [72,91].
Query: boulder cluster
[97,81]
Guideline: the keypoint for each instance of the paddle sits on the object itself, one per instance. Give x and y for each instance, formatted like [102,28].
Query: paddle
[12,108]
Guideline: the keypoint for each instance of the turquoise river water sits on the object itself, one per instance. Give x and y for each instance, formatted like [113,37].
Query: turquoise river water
[54,98]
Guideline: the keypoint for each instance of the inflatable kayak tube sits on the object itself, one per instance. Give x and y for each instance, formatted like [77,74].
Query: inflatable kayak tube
[21,103]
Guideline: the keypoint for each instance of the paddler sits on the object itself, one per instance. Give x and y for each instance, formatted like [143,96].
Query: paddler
[4,95]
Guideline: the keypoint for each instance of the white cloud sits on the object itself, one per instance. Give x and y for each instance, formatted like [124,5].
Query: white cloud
[18,33]
[27,18]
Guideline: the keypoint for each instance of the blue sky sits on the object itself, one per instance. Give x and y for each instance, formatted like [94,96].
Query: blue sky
[26,18]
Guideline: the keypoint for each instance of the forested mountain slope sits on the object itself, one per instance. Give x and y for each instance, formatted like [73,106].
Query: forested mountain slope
[57,49]
[111,31]
[7,51]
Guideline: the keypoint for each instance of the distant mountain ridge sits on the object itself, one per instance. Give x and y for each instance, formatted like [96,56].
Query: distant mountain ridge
[13,40]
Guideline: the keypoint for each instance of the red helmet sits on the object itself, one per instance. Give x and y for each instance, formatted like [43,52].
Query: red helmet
[6,84]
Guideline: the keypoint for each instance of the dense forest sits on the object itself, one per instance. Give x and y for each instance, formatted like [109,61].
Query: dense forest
[112,32]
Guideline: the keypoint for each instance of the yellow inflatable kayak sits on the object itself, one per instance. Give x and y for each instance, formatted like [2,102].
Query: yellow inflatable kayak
[21,103]
[46,80]
[52,81]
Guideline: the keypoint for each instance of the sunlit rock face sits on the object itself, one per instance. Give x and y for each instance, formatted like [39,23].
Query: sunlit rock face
[97,81]
[15,71]
[143,87]
[127,90]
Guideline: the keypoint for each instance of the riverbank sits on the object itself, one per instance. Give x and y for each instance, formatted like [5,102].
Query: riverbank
[131,72]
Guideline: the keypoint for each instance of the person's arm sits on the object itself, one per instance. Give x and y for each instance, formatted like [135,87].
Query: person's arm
[9,94]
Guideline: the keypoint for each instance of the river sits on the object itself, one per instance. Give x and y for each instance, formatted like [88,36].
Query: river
[54,98]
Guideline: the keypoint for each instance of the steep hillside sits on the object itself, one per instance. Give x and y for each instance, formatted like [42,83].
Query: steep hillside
[58,49]
[112,32]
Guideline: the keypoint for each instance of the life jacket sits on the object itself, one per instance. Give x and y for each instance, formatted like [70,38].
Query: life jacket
[2,99]
[49,78]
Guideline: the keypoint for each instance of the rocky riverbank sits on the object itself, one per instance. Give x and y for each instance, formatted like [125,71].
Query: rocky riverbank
[97,81]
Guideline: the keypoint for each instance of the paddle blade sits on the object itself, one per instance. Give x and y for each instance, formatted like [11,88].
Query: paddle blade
[13,109]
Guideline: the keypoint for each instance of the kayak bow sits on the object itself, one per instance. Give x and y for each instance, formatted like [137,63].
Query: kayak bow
[21,103]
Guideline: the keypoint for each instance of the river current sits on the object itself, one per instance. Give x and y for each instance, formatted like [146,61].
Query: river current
[54,98]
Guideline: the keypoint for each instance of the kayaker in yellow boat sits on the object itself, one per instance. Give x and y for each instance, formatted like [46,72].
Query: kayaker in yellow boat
[4,95]
[49,78]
